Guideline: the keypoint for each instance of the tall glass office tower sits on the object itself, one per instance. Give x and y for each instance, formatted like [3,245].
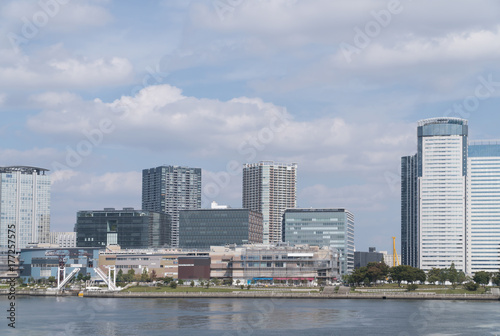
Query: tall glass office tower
[483,205]
[24,206]
[409,210]
[441,174]
[168,189]
[270,188]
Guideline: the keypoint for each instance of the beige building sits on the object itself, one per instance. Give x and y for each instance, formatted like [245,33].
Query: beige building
[275,264]
[164,262]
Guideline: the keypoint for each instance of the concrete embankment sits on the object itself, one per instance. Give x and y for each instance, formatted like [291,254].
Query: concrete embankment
[268,295]
[275,295]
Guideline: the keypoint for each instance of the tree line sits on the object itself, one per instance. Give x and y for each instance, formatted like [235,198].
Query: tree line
[379,271]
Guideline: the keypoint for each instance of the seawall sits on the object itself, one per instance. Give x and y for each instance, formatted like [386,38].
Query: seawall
[267,295]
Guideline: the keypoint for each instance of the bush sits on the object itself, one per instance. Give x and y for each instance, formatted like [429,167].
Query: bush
[411,287]
[242,286]
[173,285]
[471,286]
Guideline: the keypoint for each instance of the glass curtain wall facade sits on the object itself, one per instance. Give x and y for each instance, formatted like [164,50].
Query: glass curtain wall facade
[483,204]
[129,228]
[441,170]
[322,227]
[168,189]
[409,209]
[270,188]
[24,206]
[211,227]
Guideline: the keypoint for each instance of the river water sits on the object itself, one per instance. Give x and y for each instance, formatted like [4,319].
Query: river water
[245,317]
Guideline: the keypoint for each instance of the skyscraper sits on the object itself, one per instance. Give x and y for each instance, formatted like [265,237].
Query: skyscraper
[409,209]
[440,198]
[169,189]
[483,206]
[24,206]
[270,188]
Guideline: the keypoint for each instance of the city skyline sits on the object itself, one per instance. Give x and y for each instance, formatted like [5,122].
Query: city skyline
[95,91]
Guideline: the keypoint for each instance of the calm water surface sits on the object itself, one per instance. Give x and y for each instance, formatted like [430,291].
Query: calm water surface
[245,317]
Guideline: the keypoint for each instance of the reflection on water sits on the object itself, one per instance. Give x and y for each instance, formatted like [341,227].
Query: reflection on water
[117,317]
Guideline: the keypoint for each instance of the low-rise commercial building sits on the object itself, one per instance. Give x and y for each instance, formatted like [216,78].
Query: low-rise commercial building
[40,263]
[164,262]
[275,264]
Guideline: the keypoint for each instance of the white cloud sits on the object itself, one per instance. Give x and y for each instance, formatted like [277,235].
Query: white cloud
[65,73]
[56,15]
[160,118]
[73,191]
[37,157]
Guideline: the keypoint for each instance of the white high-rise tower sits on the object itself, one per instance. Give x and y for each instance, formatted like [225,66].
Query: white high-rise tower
[270,188]
[24,206]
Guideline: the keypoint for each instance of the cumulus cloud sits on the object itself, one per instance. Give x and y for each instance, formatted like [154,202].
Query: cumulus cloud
[74,190]
[160,118]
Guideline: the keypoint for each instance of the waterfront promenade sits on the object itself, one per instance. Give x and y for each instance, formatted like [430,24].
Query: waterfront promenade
[255,294]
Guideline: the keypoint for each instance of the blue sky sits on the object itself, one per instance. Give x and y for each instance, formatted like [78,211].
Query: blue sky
[97,90]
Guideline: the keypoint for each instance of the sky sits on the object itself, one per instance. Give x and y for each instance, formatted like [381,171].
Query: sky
[97,90]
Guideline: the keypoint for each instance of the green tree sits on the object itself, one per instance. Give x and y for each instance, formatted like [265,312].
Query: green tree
[357,276]
[461,278]
[376,271]
[402,273]
[79,277]
[452,275]
[119,276]
[51,279]
[144,275]
[180,282]
[496,279]
[419,275]
[192,283]
[173,284]
[443,276]
[130,275]
[433,275]
[482,278]
[471,286]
